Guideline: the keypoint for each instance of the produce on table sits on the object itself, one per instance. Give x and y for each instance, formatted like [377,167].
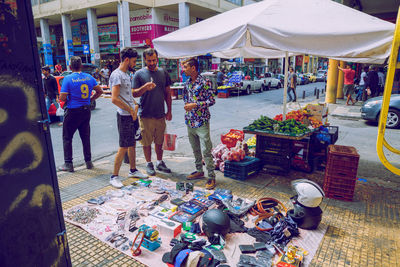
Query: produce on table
[298,115]
[230,139]
[287,127]
[251,142]
[221,153]
[315,123]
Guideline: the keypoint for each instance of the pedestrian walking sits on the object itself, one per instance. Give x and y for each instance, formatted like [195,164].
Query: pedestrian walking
[127,120]
[292,83]
[220,77]
[348,83]
[198,97]
[381,84]
[361,94]
[152,85]
[50,91]
[96,75]
[372,81]
[77,90]
[105,74]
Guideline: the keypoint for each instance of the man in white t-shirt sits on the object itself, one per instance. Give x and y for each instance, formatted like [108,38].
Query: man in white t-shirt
[121,96]
[105,74]
[361,88]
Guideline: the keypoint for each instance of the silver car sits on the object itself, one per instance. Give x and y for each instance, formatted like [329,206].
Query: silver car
[371,110]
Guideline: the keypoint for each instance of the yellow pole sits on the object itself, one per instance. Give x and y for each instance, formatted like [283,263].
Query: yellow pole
[331,84]
[339,93]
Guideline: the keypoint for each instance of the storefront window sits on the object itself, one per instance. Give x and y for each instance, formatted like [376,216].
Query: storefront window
[236,2]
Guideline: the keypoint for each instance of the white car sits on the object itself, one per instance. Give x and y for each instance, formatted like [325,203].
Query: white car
[270,82]
[321,75]
[249,86]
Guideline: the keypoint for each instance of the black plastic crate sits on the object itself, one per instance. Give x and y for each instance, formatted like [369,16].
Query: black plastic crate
[327,138]
[274,169]
[243,169]
[266,144]
[275,159]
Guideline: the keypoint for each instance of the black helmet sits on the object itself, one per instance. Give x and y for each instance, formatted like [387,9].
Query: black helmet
[215,221]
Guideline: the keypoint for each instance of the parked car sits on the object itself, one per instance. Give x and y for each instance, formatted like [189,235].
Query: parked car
[321,75]
[371,110]
[269,81]
[302,79]
[249,86]
[311,77]
[86,67]
[280,77]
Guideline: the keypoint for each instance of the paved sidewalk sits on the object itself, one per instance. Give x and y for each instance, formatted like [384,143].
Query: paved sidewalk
[364,232]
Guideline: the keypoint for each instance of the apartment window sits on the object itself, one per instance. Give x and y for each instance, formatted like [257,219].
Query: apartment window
[236,2]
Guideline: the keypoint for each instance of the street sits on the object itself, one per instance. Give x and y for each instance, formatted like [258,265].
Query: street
[233,113]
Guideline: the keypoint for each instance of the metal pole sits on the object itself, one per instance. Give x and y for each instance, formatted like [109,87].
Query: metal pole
[304,94]
[286,86]
[317,93]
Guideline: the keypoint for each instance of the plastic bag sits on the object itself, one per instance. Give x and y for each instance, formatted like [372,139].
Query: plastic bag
[169,141]
[60,112]
[368,91]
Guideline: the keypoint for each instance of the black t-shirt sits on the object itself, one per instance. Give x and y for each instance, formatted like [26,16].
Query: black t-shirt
[50,87]
[152,102]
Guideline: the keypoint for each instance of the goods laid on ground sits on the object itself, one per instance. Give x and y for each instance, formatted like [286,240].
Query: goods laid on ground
[160,222]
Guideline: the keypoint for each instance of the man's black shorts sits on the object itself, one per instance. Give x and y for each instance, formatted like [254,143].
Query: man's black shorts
[127,129]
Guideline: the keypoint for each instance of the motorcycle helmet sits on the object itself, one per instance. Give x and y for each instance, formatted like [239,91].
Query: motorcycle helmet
[215,221]
[309,194]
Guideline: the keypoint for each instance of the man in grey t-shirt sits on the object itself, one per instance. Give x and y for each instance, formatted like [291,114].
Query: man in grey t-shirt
[292,82]
[152,108]
[127,108]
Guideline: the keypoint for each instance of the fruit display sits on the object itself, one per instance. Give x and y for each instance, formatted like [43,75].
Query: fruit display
[292,127]
[221,153]
[251,142]
[315,123]
[298,115]
[230,139]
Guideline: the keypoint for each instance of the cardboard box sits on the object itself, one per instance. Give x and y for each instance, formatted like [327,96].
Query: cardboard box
[320,110]
[169,229]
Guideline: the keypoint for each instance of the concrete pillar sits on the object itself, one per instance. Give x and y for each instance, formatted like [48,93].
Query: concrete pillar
[184,17]
[331,84]
[282,65]
[93,36]
[266,66]
[339,93]
[124,24]
[302,64]
[48,53]
[67,35]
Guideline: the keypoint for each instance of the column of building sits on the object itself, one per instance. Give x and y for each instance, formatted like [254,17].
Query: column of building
[124,24]
[67,35]
[93,36]
[47,50]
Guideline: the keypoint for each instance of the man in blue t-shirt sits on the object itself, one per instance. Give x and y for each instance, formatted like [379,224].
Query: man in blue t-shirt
[77,90]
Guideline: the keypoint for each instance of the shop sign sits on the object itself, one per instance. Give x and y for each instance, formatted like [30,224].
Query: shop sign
[215,60]
[299,60]
[109,49]
[306,59]
[108,33]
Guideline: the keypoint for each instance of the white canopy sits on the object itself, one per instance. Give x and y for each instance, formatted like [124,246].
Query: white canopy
[270,28]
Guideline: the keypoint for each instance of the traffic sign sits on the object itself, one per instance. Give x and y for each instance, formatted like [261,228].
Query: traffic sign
[86,49]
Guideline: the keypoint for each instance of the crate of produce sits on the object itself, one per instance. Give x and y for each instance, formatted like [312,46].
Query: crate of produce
[243,169]
[266,144]
[327,135]
[225,91]
[223,95]
[230,139]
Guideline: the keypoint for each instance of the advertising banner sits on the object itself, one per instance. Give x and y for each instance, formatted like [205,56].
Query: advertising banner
[79,30]
[108,33]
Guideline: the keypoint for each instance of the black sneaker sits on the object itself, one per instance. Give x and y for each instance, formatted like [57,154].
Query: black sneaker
[150,169]
[66,167]
[163,168]
[89,165]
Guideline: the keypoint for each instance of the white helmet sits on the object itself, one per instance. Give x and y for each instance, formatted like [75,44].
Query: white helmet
[309,194]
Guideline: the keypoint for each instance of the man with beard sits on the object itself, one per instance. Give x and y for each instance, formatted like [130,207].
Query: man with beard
[152,84]
[121,91]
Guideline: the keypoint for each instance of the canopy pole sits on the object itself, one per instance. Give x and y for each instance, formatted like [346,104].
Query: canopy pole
[285,87]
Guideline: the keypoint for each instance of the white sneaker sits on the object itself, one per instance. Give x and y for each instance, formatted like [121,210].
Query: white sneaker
[137,174]
[116,182]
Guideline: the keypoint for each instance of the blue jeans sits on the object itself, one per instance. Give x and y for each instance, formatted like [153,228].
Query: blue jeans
[48,104]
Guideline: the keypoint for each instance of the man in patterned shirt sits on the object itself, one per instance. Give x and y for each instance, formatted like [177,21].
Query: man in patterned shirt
[197,97]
